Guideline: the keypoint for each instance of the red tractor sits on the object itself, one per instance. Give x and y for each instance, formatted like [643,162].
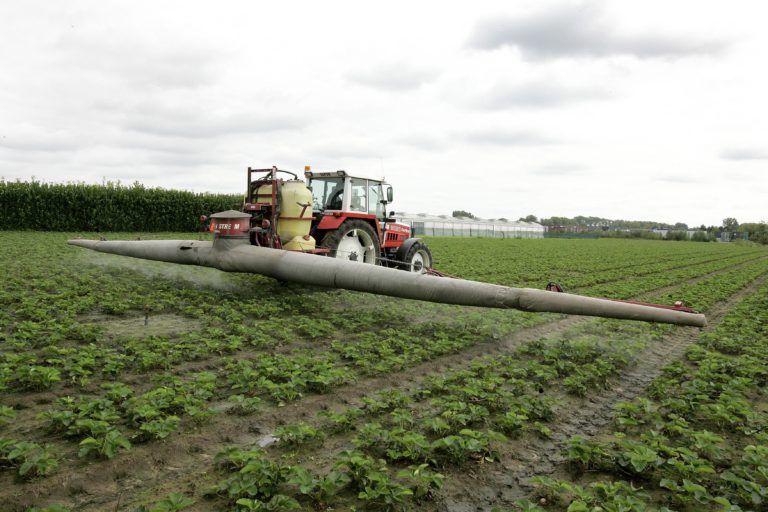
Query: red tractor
[333,213]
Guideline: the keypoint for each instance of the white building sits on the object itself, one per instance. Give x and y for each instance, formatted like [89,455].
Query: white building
[423,224]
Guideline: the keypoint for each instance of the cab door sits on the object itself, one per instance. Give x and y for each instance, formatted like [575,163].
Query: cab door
[375,195]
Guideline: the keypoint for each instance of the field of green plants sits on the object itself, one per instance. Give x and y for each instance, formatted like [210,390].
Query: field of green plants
[142,386]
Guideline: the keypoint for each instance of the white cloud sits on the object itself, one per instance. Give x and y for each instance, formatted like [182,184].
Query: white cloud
[613,108]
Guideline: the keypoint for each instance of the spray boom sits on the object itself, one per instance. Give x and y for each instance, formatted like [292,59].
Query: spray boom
[237,255]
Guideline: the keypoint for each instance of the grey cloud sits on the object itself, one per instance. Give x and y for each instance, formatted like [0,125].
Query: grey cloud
[393,77]
[505,138]
[537,94]
[580,31]
[744,154]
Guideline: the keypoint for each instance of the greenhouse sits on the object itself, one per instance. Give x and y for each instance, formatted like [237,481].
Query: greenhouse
[442,225]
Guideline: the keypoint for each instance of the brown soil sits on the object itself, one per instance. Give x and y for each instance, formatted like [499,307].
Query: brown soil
[138,326]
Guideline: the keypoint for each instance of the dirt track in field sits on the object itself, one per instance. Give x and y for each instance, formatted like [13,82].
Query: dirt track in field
[502,484]
[181,463]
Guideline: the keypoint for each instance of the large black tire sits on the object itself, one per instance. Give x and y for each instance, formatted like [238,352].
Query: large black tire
[355,240]
[418,259]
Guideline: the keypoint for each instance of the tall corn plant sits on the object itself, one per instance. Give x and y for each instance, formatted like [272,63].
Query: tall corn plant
[34,205]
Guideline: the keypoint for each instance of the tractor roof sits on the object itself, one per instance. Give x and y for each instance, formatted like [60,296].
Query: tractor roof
[340,173]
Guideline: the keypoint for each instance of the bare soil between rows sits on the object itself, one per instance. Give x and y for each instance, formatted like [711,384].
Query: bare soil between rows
[139,326]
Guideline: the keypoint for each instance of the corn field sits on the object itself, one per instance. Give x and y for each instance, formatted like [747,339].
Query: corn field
[110,207]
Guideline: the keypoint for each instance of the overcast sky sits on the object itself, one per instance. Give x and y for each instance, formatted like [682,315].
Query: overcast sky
[636,110]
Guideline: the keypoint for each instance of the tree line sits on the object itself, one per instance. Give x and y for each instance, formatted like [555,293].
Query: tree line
[756,231]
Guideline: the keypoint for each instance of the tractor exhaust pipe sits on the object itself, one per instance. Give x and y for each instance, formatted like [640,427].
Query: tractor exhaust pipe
[237,255]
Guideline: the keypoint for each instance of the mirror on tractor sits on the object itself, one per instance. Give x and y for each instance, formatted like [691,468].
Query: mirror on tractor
[389,193]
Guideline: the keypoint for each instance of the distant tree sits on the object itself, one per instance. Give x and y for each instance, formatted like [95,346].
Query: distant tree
[558,221]
[462,213]
[503,219]
[591,223]
[701,236]
[758,231]
[529,218]
[753,227]
[676,235]
[730,224]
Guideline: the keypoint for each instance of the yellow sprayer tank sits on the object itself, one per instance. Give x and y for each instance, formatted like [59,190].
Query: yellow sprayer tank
[295,219]
[264,194]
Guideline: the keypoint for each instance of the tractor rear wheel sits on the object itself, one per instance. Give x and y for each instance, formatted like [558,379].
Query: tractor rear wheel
[355,240]
[418,259]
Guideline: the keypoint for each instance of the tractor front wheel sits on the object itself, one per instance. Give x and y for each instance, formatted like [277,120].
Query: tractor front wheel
[355,240]
[418,259]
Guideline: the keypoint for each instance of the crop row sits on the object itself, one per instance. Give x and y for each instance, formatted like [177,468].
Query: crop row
[650,271]
[465,415]
[633,286]
[375,352]
[697,440]
[371,351]
[573,264]
[407,438]
[266,341]
[101,425]
[231,329]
